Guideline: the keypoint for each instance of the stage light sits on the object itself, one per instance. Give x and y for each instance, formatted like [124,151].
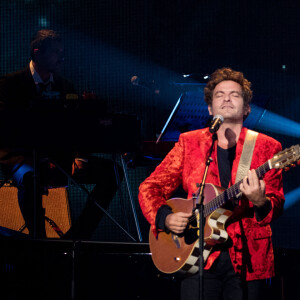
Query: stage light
[292,198]
[275,123]
[43,22]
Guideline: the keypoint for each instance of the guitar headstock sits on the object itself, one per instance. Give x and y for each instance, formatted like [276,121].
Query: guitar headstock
[286,158]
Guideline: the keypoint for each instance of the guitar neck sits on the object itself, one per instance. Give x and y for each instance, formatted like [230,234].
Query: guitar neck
[232,192]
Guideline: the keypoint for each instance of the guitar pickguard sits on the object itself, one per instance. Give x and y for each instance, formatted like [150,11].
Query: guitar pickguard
[216,223]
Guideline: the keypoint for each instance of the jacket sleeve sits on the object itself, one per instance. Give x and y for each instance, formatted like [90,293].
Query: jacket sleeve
[274,186]
[159,186]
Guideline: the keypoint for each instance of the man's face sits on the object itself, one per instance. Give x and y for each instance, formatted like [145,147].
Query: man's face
[52,58]
[228,102]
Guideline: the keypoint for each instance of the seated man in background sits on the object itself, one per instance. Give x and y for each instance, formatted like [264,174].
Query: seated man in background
[21,91]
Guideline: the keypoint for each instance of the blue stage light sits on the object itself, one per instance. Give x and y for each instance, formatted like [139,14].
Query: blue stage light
[292,198]
[43,22]
[275,123]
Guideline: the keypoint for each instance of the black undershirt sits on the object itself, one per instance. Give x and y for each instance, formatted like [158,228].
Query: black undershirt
[225,161]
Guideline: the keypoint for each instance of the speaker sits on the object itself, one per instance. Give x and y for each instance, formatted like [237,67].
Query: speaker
[56,205]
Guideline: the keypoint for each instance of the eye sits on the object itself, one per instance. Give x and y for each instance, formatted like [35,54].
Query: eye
[235,94]
[219,94]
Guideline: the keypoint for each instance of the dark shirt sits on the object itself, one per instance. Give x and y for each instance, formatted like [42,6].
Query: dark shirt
[225,161]
[18,96]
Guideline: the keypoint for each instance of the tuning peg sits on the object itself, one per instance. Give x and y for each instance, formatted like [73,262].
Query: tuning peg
[298,162]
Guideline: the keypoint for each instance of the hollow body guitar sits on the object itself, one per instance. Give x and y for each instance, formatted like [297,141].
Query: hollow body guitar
[173,253]
[180,253]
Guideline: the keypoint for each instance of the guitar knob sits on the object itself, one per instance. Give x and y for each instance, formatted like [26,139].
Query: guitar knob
[287,169]
[298,162]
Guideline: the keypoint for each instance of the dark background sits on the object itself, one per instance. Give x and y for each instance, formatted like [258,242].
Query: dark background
[107,42]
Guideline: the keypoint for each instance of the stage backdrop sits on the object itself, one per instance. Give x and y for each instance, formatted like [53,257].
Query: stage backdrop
[109,42]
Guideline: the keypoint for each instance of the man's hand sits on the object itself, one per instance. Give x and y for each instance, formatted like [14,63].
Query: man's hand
[177,222]
[254,189]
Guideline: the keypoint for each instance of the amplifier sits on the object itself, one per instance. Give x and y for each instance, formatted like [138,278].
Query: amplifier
[56,206]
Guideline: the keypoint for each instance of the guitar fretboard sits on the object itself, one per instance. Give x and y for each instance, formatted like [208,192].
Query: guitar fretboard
[232,192]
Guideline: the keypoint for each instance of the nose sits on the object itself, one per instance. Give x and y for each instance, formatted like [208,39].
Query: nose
[227,97]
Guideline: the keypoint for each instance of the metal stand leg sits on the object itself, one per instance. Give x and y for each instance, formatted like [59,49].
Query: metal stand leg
[97,204]
[131,198]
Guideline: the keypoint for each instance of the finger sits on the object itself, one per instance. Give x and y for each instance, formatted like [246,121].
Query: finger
[245,186]
[242,188]
[251,178]
[245,183]
[181,217]
[255,179]
[177,229]
[178,221]
[262,185]
[184,214]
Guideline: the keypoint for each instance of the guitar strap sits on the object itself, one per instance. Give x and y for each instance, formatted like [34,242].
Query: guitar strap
[246,157]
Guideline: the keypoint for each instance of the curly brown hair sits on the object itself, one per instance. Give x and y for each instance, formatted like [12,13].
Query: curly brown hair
[227,74]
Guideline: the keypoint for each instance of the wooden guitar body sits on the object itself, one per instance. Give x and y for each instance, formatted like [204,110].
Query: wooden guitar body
[173,253]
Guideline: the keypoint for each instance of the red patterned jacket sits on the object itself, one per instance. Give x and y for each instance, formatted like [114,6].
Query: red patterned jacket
[252,252]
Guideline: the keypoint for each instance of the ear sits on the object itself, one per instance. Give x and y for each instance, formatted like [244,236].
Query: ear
[247,110]
[210,110]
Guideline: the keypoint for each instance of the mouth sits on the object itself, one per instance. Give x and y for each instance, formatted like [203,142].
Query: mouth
[226,106]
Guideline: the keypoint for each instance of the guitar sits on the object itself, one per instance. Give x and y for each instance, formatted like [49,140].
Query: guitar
[172,253]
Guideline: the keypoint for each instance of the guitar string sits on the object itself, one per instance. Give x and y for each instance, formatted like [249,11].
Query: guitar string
[229,193]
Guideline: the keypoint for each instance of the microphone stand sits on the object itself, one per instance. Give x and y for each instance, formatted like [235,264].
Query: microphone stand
[200,209]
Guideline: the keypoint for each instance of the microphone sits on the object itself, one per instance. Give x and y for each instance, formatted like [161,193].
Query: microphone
[216,123]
